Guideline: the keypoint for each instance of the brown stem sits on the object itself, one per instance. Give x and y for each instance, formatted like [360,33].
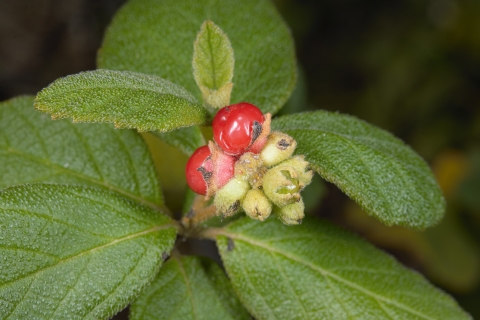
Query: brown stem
[198,214]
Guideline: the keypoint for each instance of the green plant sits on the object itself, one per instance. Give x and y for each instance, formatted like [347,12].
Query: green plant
[84,228]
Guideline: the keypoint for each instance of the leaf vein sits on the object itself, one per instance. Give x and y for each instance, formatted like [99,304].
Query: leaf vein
[298,259]
[114,288]
[52,219]
[10,247]
[103,184]
[295,294]
[79,275]
[189,288]
[91,250]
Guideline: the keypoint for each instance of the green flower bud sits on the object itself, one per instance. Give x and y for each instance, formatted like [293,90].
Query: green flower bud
[249,167]
[228,198]
[256,205]
[279,146]
[281,185]
[291,214]
[305,174]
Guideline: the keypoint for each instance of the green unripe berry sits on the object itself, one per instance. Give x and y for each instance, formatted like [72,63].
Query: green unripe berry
[301,166]
[228,199]
[281,185]
[279,147]
[256,205]
[291,214]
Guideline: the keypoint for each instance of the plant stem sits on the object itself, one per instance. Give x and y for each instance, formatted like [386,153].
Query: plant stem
[198,214]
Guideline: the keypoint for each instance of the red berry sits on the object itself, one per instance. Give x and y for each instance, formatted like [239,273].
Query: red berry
[236,127]
[197,167]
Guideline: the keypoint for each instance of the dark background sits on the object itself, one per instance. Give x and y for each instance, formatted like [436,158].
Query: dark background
[410,67]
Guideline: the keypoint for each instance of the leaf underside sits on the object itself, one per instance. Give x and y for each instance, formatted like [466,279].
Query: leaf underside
[33,148]
[156,37]
[317,271]
[75,253]
[385,176]
[185,289]
[128,99]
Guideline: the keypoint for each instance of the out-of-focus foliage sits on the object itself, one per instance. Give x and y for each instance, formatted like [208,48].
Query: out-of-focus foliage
[412,68]
[170,164]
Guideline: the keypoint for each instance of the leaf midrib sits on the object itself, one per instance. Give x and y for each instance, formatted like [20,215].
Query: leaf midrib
[91,250]
[323,272]
[104,184]
[188,285]
[212,58]
[124,89]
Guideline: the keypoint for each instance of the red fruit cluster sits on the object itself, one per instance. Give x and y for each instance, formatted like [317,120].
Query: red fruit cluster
[236,129]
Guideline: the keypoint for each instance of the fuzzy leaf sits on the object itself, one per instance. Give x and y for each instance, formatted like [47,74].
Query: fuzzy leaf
[33,148]
[385,176]
[317,271]
[186,140]
[213,60]
[128,99]
[156,37]
[75,253]
[213,65]
[184,289]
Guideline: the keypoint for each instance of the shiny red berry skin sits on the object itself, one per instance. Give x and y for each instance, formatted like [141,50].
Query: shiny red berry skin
[195,178]
[233,127]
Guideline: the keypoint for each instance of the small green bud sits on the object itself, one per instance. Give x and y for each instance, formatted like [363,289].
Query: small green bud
[228,198]
[291,214]
[249,167]
[279,146]
[305,174]
[281,185]
[256,205]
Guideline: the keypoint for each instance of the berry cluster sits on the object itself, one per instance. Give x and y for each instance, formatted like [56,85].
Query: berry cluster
[250,168]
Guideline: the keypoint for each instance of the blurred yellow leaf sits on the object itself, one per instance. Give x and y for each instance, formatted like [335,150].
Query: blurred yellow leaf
[450,168]
[170,164]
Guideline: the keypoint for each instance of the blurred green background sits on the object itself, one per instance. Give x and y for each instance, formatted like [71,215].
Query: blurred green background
[410,67]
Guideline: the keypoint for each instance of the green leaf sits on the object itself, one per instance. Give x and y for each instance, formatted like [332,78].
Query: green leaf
[186,140]
[185,290]
[156,37]
[317,271]
[224,290]
[213,65]
[33,148]
[75,253]
[385,176]
[213,60]
[128,99]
